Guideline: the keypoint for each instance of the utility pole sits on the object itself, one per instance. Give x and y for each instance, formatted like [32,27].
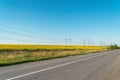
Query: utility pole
[70,40]
[84,43]
[66,43]
[104,43]
[89,42]
[101,43]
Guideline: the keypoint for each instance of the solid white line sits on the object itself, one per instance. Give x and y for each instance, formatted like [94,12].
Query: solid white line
[61,65]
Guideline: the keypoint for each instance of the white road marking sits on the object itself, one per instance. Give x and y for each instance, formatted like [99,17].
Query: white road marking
[61,65]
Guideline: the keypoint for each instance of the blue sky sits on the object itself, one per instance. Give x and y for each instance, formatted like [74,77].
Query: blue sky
[56,20]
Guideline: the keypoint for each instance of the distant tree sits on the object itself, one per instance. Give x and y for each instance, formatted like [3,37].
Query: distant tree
[115,46]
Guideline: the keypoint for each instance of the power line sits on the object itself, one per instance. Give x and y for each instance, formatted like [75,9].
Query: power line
[66,43]
[31,36]
[21,40]
[35,35]
[84,42]
[70,40]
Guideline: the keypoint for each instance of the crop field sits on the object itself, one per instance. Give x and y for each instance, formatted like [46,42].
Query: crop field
[14,54]
[53,47]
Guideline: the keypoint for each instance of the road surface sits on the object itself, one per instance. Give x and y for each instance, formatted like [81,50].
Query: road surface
[97,66]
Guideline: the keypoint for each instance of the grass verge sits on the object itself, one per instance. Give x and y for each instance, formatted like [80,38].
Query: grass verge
[10,57]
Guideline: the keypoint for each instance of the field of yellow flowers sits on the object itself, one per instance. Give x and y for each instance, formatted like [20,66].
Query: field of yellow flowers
[53,47]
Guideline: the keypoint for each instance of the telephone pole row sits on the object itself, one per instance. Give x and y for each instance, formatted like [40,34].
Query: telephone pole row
[68,42]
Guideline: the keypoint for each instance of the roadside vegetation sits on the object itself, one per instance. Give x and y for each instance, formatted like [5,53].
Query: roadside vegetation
[15,54]
[114,46]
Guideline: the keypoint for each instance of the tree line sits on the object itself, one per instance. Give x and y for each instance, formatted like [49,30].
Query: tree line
[114,46]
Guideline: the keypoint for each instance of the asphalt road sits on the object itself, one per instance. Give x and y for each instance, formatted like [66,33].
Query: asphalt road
[97,66]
